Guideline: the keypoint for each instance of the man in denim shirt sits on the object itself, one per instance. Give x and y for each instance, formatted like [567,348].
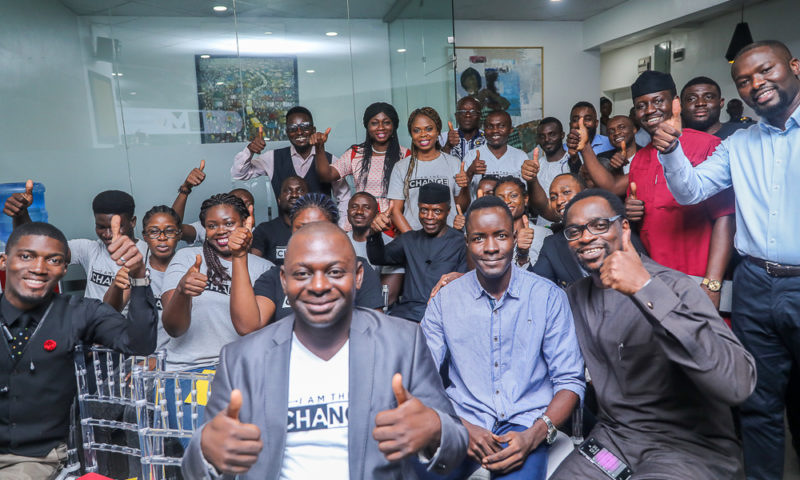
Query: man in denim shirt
[507,351]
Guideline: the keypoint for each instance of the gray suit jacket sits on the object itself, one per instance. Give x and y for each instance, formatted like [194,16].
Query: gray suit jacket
[380,346]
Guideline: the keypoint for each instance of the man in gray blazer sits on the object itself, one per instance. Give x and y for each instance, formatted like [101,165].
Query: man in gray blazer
[299,398]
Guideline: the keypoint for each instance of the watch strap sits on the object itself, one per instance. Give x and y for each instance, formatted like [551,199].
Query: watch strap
[141,282]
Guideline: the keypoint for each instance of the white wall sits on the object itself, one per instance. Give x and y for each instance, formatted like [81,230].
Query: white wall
[705,50]
[570,74]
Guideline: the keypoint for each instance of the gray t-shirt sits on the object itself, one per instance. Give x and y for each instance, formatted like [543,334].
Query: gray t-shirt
[100,269]
[211,327]
[442,169]
[510,164]
[157,286]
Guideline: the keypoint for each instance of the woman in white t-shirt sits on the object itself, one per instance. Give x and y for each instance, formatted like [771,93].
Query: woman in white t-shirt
[426,164]
[528,236]
[371,162]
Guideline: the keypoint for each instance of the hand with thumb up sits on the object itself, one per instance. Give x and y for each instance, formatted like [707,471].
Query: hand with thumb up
[530,167]
[665,138]
[524,237]
[477,167]
[462,179]
[460,220]
[227,443]
[453,137]
[241,237]
[634,208]
[408,428]
[195,178]
[123,251]
[193,282]
[17,204]
[623,269]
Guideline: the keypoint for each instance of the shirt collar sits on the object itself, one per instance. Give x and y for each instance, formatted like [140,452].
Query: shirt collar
[10,313]
[294,154]
[513,289]
[794,118]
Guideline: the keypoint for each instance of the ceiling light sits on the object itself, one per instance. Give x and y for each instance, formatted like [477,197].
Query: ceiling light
[401,50]
[310,71]
[220,8]
[133,93]
[220,83]
[267,33]
[205,55]
[555,0]
[331,34]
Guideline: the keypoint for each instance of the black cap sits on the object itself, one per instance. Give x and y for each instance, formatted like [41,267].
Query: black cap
[433,193]
[652,82]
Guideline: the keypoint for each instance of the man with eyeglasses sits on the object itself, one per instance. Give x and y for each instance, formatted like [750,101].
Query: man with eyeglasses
[92,255]
[296,160]
[665,367]
[458,142]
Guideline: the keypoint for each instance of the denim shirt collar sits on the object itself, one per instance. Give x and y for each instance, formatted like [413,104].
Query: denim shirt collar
[513,289]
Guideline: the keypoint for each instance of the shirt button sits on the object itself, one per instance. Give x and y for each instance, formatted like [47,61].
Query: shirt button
[497,392]
[776,187]
[771,240]
[650,305]
[495,339]
[496,364]
[773,213]
[502,415]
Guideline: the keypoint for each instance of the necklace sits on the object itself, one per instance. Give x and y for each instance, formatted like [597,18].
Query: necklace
[379,152]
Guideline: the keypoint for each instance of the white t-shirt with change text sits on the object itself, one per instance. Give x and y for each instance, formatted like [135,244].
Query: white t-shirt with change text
[100,269]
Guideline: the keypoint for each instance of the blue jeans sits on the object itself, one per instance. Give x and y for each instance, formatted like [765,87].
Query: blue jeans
[534,468]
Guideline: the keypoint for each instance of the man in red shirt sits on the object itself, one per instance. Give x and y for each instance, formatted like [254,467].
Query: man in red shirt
[694,239]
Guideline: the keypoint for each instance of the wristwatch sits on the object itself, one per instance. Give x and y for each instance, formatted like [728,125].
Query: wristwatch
[551,429]
[141,282]
[712,285]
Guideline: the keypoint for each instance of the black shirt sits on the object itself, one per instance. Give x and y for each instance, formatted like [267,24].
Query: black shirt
[727,129]
[271,239]
[425,259]
[269,285]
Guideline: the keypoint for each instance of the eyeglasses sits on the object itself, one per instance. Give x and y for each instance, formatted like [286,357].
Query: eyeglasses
[468,113]
[295,127]
[596,226]
[155,233]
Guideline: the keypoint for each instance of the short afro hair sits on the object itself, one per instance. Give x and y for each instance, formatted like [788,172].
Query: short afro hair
[114,202]
[37,229]
[616,204]
[489,201]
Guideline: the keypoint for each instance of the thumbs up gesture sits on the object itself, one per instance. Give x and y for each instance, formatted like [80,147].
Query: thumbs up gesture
[477,167]
[583,135]
[634,208]
[193,282]
[524,236]
[462,179]
[408,428]
[530,167]
[319,138]
[227,443]
[258,143]
[623,269]
[460,221]
[196,176]
[620,158]
[123,251]
[381,222]
[665,138]
[241,237]
[17,204]
[453,137]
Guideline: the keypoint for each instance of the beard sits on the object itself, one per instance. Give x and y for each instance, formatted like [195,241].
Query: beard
[772,110]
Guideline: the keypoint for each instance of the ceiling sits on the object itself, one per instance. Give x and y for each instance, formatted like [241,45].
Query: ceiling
[563,10]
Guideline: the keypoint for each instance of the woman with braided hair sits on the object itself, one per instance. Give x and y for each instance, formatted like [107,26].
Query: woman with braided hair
[255,306]
[197,283]
[426,164]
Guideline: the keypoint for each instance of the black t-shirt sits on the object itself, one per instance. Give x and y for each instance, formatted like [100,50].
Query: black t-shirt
[727,129]
[271,238]
[269,285]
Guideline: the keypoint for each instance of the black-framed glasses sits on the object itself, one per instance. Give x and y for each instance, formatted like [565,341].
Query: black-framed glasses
[155,233]
[296,127]
[596,226]
[468,113]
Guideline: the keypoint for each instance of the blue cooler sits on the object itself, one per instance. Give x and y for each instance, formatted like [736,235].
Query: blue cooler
[37,210]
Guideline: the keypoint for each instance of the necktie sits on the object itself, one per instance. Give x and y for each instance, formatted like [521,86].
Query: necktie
[22,330]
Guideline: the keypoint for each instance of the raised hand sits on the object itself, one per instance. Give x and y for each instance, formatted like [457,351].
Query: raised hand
[634,208]
[460,221]
[319,137]
[258,143]
[530,167]
[481,442]
[583,135]
[665,138]
[121,279]
[620,158]
[407,429]
[196,176]
[193,282]
[381,222]
[524,236]
[623,270]
[453,138]
[462,179]
[123,251]
[228,444]
[478,166]
[17,204]
[241,237]
[480,194]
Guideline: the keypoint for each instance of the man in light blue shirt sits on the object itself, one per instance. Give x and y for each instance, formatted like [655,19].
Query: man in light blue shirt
[504,340]
[762,163]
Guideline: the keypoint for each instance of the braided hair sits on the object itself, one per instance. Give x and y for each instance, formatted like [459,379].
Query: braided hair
[161,209]
[392,150]
[217,273]
[320,201]
[431,113]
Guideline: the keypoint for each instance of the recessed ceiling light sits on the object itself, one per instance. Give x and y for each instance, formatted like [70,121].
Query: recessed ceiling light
[220,8]
[310,71]
[205,55]
[220,83]
[267,33]
[401,50]
[331,34]
[555,0]
[133,93]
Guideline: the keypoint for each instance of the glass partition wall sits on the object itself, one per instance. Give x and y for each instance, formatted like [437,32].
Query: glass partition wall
[106,94]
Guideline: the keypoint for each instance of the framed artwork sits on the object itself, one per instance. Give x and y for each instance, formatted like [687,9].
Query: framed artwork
[237,95]
[502,78]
